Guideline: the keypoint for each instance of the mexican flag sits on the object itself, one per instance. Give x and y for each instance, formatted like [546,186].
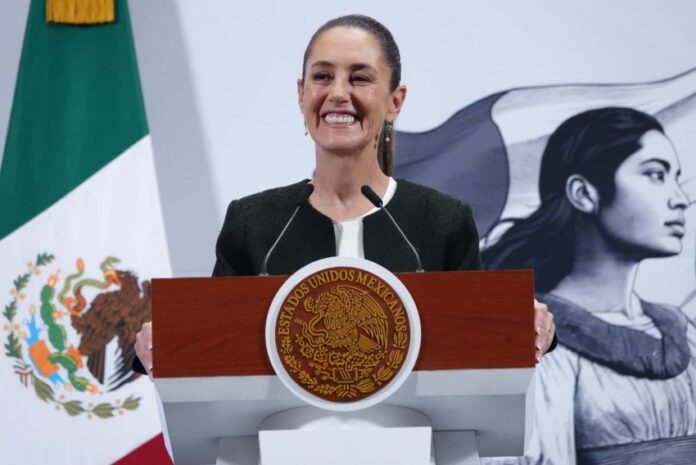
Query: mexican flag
[81,234]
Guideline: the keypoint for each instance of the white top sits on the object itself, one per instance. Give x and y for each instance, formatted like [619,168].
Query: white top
[349,233]
[580,404]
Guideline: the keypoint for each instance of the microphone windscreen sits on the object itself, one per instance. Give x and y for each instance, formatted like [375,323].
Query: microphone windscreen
[307,190]
[371,196]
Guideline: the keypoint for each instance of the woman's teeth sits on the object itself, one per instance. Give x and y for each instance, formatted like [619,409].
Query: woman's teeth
[333,118]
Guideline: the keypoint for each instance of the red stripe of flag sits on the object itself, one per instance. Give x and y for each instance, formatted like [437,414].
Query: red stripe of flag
[152,452]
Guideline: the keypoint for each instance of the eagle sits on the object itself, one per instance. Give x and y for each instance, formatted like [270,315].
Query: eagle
[116,314]
[351,319]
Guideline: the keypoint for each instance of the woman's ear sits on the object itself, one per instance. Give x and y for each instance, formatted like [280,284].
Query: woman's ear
[582,194]
[300,93]
[396,102]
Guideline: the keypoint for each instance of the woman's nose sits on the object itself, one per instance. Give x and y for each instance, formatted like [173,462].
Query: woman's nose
[339,91]
[679,199]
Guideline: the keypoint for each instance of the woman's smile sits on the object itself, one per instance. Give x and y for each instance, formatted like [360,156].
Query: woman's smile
[344,93]
[339,119]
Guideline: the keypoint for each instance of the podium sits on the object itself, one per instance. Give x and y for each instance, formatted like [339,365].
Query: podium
[472,378]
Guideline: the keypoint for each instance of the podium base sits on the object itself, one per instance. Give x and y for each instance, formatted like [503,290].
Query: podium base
[311,435]
[240,450]
[383,434]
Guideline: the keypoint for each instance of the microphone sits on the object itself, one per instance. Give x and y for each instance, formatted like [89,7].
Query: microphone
[377,202]
[307,190]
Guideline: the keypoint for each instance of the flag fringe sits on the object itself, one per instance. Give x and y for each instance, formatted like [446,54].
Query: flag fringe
[80,11]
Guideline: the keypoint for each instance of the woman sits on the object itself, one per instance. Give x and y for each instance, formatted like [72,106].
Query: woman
[621,386]
[350,95]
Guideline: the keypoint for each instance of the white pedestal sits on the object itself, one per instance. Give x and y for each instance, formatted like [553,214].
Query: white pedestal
[449,448]
[347,447]
[384,434]
[306,435]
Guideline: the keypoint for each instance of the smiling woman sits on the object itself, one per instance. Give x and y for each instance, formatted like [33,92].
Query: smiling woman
[371,40]
[350,95]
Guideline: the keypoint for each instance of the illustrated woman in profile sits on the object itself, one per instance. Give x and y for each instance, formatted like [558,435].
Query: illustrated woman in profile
[621,386]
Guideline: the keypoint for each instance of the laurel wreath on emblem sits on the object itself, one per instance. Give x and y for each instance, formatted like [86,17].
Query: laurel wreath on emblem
[58,356]
[383,374]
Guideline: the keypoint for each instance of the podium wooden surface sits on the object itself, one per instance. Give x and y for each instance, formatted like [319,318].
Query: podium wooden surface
[473,372]
[215,326]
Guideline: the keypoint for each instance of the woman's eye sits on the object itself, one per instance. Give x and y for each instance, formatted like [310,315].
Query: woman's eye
[656,176]
[360,78]
[321,76]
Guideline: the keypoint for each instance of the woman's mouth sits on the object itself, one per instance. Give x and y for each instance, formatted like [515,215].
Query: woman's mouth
[677,228]
[339,119]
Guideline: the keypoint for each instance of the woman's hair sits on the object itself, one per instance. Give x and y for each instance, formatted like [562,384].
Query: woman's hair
[592,144]
[390,53]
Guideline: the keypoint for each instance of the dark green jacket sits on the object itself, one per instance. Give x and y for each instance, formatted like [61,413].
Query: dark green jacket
[440,227]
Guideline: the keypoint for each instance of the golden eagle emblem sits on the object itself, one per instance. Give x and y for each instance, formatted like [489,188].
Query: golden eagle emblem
[337,334]
[350,319]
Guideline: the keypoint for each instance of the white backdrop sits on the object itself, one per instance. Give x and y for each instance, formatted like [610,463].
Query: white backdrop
[219,79]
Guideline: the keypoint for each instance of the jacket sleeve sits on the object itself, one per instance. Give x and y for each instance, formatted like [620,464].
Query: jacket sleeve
[229,249]
[137,366]
[465,242]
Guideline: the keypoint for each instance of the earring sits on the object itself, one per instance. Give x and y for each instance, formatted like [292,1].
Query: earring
[388,130]
[306,131]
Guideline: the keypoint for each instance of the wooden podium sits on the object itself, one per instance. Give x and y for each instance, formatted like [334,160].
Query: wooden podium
[473,373]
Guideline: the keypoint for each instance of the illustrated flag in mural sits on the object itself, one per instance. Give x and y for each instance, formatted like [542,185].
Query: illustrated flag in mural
[81,233]
[488,154]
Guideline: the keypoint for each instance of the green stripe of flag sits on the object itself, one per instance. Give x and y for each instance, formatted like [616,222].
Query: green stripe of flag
[77,106]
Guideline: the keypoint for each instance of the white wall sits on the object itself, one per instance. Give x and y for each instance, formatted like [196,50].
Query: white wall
[219,79]
[13,15]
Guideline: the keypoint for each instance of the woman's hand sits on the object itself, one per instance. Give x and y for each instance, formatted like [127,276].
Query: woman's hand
[143,347]
[545,328]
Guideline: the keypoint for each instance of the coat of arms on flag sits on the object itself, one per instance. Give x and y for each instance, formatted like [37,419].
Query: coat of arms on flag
[58,329]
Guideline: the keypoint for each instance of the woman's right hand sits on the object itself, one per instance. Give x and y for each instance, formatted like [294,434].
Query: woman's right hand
[143,347]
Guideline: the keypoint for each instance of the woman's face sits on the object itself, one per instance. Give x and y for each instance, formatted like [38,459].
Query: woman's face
[344,96]
[647,212]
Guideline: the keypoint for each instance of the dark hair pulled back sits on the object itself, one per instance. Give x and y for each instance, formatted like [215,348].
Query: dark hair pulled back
[592,144]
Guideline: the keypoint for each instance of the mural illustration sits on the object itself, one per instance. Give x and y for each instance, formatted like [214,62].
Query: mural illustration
[589,185]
